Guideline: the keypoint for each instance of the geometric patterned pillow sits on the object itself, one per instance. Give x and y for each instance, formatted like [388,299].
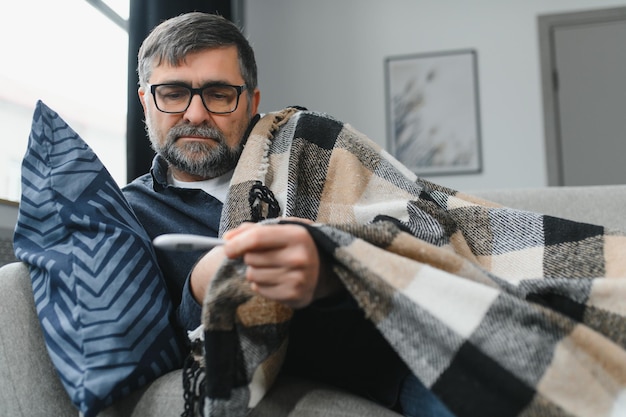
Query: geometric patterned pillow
[100,296]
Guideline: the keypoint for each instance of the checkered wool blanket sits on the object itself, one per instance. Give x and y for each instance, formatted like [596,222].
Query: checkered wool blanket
[499,312]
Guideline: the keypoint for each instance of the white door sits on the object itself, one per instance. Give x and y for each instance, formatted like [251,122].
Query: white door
[588,83]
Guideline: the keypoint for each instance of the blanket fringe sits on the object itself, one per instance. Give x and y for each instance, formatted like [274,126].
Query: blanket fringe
[263,204]
[194,387]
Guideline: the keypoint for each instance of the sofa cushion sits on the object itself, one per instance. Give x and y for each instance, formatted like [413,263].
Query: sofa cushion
[100,296]
[288,397]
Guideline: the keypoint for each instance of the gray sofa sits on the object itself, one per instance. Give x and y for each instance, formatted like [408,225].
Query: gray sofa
[30,387]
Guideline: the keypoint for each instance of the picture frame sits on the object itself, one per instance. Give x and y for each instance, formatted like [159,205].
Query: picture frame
[433,116]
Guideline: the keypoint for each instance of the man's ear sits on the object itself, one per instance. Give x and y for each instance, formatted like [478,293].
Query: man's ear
[142,97]
[256,99]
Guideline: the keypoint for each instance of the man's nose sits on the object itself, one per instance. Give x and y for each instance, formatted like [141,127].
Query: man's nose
[196,113]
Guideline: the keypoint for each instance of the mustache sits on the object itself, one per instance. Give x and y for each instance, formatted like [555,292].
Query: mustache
[203,131]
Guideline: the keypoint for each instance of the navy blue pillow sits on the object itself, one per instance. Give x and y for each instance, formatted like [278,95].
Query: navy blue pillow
[100,296]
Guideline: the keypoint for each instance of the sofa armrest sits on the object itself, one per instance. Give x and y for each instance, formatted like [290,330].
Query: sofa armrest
[29,385]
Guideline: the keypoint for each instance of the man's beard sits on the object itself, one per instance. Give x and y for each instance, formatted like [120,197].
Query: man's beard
[198,158]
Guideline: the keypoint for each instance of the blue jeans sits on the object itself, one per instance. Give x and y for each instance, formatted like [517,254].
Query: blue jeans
[417,401]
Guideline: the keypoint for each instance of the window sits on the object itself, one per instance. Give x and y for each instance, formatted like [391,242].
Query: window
[74,58]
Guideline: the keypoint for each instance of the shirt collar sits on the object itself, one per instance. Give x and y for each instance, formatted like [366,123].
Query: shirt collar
[159,173]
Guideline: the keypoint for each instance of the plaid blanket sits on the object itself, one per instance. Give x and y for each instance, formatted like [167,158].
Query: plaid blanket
[500,312]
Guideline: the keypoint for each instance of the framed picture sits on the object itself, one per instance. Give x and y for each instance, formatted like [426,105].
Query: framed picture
[433,112]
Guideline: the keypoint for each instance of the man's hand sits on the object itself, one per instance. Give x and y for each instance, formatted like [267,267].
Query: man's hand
[283,263]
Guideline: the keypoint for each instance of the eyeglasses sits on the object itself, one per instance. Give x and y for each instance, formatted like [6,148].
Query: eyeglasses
[216,98]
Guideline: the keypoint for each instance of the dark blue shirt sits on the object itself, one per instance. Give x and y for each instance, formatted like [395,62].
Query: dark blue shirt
[162,208]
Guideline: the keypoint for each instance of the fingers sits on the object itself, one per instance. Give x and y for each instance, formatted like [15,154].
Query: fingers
[246,226]
[291,288]
[238,230]
[251,237]
[282,261]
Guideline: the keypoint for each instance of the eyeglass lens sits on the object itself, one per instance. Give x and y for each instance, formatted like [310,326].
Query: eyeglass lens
[216,99]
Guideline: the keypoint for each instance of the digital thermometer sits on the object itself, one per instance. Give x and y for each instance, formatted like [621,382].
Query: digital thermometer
[186,242]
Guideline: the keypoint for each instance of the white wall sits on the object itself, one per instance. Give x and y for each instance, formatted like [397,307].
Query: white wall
[328,55]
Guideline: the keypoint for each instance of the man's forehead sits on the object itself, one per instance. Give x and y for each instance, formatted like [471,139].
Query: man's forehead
[180,60]
[210,65]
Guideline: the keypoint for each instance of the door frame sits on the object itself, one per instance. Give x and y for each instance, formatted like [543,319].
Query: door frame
[549,78]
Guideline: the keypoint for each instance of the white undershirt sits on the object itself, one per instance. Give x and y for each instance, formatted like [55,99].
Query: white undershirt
[217,187]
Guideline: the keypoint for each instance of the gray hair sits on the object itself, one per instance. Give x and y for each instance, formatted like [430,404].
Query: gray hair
[172,40]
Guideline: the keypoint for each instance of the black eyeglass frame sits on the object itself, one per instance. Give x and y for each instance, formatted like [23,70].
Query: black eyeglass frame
[197,91]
